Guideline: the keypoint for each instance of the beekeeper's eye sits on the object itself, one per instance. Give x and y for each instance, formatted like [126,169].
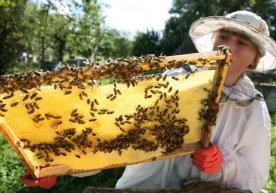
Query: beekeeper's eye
[243,42]
[223,36]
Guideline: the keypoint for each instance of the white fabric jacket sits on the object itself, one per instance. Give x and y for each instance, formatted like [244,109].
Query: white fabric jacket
[242,134]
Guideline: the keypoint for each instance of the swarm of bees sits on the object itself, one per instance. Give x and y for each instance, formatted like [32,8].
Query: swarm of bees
[159,120]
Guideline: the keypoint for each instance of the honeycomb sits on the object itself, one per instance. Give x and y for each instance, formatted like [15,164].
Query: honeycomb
[74,119]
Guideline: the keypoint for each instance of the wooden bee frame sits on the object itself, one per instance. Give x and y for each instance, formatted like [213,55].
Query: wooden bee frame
[21,93]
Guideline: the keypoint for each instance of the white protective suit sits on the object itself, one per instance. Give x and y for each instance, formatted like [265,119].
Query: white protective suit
[242,134]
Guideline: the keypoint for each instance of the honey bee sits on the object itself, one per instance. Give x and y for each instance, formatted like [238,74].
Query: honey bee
[84,152]
[96,102]
[133,83]
[24,90]
[38,98]
[74,112]
[148,96]
[67,92]
[119,92]
[156,102]
[62,153]
[33,96]
[165,77]
[72,120]
[84,94]
[157,87]
[110,112]
[35,105]
[160,97]
[109,96]
[122,129]
[175,78]
[153,91]
[26,97]
[80,96]
[88,101]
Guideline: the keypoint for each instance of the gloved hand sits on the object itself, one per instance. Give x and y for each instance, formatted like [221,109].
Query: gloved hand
[45,183]
[208,160]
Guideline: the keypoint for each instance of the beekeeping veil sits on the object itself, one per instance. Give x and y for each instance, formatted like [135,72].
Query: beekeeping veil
[243,22]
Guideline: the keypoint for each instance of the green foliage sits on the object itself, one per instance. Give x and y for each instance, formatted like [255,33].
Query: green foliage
[115,45]
[271,185]
[7,3]
[10,168]
[10,32]
[147,43]
[88,31]
[49,35]
[59,33]
[23,68]
[185,12]
[46,31]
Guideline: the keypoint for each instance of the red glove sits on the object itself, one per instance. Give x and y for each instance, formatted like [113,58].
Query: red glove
[45,183]
[208,160]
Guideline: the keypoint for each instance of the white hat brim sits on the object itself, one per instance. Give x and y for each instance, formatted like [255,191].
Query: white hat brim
[201,32]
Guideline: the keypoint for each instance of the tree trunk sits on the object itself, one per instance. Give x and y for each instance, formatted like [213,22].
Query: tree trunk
[43,44]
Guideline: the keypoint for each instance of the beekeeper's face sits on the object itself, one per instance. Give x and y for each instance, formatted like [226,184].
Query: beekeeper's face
[243,52]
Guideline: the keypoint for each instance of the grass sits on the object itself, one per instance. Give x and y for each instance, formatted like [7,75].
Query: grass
[271,184]
[11,170]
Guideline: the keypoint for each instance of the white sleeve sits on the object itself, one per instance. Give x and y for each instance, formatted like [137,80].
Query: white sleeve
[143,175]
[85,174]
[247,165]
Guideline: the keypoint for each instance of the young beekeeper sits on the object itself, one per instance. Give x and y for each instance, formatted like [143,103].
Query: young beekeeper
[239,153]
